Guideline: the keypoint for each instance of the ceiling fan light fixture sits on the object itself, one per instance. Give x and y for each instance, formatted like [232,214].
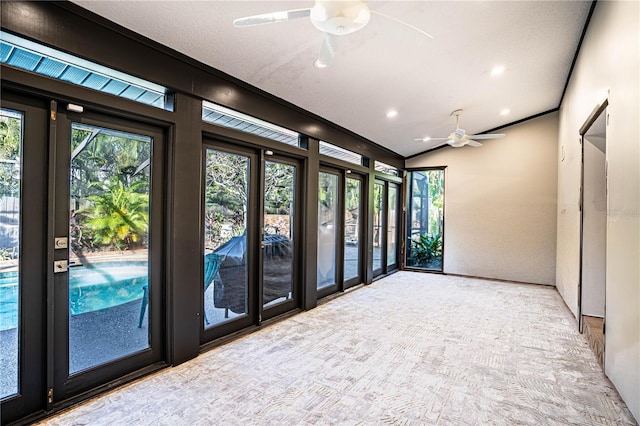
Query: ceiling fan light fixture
[331,17]
[319,64]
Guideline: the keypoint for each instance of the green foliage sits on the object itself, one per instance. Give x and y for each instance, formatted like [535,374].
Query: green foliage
[118,216]
[10,141]
[424,250]
[104,156]
[328,190]
[278,188]
[352,194]
[5,254]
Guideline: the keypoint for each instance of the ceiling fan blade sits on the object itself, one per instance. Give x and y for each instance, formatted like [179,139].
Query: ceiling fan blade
[270,18]
[327,50]
[399,21]
[473,143]
[488,136]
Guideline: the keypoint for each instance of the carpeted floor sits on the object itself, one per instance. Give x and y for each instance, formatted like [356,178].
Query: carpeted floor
[409,349]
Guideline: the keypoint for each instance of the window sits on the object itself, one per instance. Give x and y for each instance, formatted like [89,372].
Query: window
[30,56]
[226,117]
[386,169]
[340,153]
[425,215]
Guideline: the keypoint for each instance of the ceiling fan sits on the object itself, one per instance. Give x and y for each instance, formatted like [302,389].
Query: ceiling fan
[333,18]
[459,137]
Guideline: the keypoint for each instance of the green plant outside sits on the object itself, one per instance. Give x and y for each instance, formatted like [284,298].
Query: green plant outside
[425,250]
[117,217]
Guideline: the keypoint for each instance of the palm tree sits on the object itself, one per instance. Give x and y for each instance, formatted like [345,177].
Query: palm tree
[119,215]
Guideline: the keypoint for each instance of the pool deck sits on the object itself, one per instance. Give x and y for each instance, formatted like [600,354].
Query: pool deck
[96,337]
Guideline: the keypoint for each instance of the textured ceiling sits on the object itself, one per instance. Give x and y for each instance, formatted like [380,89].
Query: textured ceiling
[385,65]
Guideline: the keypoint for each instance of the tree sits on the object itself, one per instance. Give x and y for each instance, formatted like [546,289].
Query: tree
[118,216]
[10,141]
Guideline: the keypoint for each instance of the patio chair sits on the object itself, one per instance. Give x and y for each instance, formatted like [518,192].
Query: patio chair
[211,267]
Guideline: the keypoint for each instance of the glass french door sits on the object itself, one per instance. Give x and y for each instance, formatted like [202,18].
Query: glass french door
[249,258]
[228,177]
[386,199]
[352,223]
[80,209]
[328,229]
[339,231]
[379,204]
[107,250]
[280,227]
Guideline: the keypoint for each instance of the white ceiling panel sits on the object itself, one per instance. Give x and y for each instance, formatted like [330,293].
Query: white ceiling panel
[385,65]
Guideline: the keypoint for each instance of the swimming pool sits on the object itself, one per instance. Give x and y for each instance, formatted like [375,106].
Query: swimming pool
[100,286]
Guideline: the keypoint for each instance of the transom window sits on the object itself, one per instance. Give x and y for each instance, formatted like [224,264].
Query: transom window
[27,55]
[222,116]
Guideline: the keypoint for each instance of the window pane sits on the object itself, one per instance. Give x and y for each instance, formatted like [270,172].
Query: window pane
[386,169]
[425,219]
[278,254]
[378,192]
[109,216]
[10,188]
[226,117]
[34,57]
[339,153]
[225,223]
[327,229]
[352,229]
[392,225]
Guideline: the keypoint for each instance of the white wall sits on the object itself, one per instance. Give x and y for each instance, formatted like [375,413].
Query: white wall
[500,203]
[607,66]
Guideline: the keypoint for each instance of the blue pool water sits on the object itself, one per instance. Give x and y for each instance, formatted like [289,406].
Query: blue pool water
[100,286]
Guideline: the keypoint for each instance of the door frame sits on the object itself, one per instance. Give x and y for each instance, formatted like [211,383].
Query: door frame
[591,119]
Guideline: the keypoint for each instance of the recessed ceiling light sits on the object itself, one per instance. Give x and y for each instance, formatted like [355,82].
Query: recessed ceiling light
[392,113]
[497,70]
[505,111]
[426,139]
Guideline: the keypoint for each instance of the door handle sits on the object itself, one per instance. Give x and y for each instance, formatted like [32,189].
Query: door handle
[60,243]
[60,266]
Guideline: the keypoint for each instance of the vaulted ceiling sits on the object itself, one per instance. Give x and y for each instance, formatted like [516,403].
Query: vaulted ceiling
[386,65]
